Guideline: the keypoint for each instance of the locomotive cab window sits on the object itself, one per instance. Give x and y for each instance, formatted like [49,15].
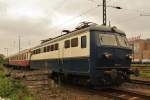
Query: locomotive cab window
[67,44]
[108,39]
[83,42]
[122,41]
[74,42]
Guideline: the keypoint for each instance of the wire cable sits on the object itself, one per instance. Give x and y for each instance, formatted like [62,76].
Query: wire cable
[128,20]
[66,22]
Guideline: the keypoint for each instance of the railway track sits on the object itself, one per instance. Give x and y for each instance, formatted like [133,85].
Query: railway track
[142,68]
[140,82]
[124,94]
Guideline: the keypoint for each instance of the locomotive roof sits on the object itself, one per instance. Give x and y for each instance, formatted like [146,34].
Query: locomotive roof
[90,28]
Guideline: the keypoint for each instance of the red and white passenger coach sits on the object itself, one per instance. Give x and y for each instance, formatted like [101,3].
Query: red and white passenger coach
[21,59]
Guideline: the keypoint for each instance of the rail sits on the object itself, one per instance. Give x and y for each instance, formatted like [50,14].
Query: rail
[140,82]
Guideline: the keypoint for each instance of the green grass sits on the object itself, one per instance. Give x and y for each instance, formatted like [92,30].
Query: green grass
[13,89]
[140,65]
[145,74]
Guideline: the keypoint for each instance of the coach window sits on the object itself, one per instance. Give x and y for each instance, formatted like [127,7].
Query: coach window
[37,51]
[74,42]
[83,42]
[25,56]
[67,44]
[21,57]
[32,52]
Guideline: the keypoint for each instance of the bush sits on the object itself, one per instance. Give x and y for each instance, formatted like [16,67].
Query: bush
[1,68]
[13,89]
[1,72]
[8,87]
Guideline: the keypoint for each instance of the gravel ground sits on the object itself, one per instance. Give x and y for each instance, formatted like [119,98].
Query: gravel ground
[136,87]
[67,93]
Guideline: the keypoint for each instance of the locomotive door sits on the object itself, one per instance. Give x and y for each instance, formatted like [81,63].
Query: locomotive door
[61,56]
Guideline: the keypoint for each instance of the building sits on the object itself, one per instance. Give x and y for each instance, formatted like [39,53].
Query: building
[141,50]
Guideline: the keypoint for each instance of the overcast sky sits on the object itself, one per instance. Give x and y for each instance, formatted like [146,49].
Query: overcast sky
[35,20]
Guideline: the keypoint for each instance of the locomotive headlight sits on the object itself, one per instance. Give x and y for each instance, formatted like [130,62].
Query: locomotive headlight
[107,55]
[129,57]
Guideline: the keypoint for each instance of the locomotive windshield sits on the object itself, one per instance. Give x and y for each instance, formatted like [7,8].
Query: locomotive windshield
[122,41]
[113,40]
[108,39]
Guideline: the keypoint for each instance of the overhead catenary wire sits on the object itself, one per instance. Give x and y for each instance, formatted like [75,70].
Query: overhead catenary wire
[128,20]
[66,22]
[81,14]
[70,20]
[57,7]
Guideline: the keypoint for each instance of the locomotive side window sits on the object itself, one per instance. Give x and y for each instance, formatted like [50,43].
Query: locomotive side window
[52,47]
[83,42]
[45,49]
[67,44]
[48,48]
[74,42]
[56,46]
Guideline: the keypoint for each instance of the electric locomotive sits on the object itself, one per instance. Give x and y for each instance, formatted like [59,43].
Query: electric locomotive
[94,54]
